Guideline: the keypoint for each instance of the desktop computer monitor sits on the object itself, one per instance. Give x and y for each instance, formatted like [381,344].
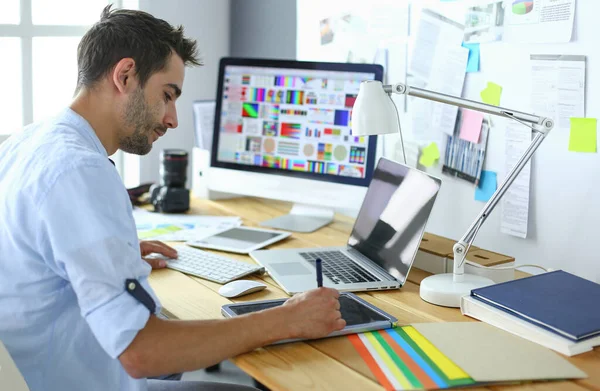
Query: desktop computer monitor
[283,130]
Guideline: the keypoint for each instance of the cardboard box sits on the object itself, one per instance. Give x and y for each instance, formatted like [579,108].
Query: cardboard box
[436,256]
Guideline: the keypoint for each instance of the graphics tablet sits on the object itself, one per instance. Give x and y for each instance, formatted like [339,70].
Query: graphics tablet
[360,316]
[240,240]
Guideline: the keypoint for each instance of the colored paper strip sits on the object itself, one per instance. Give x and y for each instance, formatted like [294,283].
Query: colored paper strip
[406,385]
[400,331]
[406,371]
[370,361]
[429,371]
[451,370]
[380,362]
[425,380]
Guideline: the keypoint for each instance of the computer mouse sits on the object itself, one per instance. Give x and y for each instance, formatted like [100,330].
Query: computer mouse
[241,287]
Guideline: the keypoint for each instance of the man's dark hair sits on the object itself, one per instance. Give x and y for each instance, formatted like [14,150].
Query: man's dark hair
[121,33]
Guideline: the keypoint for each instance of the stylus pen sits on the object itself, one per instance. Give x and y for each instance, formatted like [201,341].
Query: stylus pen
[319,272]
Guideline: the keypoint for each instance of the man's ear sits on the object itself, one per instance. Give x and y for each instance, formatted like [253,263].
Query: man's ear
[124,76]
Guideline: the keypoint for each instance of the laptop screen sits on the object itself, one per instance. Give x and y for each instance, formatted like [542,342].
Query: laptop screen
[391,221]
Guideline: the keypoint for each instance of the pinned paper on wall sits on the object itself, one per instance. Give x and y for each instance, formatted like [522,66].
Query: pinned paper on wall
[204,116]
[491,94]
[429,155]
[514,217]
[470,128]
[487,186]
[583,135]
[473,61]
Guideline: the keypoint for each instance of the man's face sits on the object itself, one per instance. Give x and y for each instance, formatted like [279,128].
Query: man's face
[150,111]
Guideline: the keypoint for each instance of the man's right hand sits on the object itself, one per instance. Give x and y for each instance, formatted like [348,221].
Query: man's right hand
[314,314]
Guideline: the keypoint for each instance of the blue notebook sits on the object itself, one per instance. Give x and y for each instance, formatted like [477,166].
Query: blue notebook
[556,301]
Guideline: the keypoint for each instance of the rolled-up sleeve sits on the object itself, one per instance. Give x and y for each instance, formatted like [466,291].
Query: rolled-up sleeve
[86,220]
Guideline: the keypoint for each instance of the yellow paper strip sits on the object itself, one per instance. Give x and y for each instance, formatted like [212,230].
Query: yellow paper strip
[389,362]
[451,370]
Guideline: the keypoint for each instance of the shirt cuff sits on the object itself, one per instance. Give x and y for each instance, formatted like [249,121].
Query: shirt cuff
[116,323]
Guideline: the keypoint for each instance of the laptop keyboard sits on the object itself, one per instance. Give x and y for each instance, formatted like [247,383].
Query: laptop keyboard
[339,268]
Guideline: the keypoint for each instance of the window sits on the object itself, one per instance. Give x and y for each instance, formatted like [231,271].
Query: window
[39,38]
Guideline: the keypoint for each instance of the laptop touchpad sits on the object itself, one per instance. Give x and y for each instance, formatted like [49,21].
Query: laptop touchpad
[290,269]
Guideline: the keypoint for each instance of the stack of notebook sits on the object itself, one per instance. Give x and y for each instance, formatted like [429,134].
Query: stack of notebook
[557,310]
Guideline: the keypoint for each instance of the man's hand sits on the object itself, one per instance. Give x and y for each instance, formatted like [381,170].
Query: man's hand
[154,246]
[314,314]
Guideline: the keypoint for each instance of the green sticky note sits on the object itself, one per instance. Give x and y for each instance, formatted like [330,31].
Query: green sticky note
[491,94]
[583,135]
[429,155]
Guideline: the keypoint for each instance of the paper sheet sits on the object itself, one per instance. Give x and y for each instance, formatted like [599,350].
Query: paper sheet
[429,117]
[583,135]
[474,54]
[489,354]
[438,63]
[174,227]
[539,21]
[514,215]
[488,183]
[491,94]
[470,128]
[558,87]
[429,155]
[464,159]
[484,21]
[204,116]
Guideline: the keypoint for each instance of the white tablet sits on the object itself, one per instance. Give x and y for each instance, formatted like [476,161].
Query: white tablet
[240,240]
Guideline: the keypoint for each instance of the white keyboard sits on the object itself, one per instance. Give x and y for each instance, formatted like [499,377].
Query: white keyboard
[210,266]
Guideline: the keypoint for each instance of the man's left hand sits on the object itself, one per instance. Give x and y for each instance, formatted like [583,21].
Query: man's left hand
[148,247]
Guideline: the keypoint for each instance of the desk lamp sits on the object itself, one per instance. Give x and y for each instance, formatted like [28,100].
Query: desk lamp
[373,113]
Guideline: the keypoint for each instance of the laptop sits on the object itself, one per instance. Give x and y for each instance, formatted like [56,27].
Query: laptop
[383,243]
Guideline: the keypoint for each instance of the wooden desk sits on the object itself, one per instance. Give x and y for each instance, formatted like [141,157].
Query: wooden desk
[328,364]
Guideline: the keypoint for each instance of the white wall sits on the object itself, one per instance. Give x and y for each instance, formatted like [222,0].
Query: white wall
[564,213]
[207,21]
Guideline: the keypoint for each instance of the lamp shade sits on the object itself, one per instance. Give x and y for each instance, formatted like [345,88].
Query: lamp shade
[373,111]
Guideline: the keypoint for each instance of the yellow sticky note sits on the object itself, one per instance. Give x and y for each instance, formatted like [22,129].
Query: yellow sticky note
[491,94]
[429,155]
[583,135]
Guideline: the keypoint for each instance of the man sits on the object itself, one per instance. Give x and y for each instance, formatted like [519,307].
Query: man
[68,240]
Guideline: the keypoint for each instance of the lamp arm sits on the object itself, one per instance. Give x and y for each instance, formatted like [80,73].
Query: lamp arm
[540,125]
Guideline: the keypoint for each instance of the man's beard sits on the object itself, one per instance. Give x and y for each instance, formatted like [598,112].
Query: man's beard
[139,117]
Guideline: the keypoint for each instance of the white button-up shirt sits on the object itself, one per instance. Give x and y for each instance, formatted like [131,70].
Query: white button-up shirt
[68,242]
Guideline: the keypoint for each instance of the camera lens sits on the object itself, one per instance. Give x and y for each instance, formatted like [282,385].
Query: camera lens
[173,167]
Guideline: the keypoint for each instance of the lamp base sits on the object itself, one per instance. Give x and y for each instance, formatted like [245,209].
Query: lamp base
[440,289]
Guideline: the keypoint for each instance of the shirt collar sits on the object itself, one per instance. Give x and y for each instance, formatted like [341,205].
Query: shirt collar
[82,125]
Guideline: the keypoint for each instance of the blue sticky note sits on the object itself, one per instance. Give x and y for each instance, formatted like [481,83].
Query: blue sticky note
[473,61]
[487,186]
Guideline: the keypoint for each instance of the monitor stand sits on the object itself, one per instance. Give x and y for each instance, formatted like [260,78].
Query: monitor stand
[302,218]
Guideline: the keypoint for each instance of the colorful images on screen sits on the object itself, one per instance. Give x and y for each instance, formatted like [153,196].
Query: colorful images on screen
[298,121]
[324,151]
[270,128]
[522,7]
[250,110]
[291,130]
[358,155]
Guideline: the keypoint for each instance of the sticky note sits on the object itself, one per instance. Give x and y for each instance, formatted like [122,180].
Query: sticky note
[491,94]
[473,61]
[429,155]
[470,128]
[583,135]
[487,186]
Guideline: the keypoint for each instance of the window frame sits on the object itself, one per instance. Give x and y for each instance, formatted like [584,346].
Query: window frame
[26,31]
